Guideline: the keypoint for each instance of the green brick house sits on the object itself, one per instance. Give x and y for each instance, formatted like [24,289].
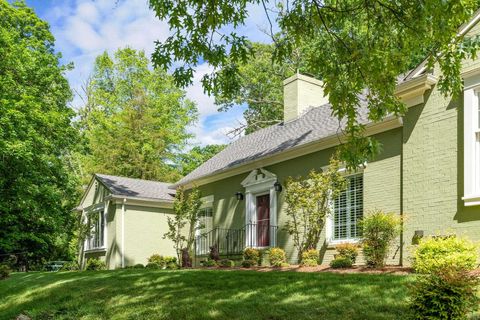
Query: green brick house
[130,220]
[428,172]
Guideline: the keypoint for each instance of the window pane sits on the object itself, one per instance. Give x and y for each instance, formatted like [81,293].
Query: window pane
[348,210]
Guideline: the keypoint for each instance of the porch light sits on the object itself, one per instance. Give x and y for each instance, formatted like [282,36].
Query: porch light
[277,186]
[239,195]
[418,233]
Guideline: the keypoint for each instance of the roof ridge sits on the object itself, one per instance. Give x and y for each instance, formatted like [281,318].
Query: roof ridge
[123,177]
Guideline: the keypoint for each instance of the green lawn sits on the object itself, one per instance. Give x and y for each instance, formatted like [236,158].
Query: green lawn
[203,294]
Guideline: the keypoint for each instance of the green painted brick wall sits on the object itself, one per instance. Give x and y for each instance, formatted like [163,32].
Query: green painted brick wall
[433,168]
[381,190]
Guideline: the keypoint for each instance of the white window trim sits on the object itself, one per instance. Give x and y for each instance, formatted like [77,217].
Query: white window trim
[329,223]
[100,208]
[471,145]
[259,182]
[207,202]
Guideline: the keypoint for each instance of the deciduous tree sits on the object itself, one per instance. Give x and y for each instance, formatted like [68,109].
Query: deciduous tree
[196,156]
[134,120]
[184,223]
[308,202]
[37,190]
[351,45]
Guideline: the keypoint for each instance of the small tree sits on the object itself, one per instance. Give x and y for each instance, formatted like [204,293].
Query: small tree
[308,204]
[379,231]
[182,226]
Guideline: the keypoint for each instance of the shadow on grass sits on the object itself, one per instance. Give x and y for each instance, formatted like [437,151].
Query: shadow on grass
[203,294]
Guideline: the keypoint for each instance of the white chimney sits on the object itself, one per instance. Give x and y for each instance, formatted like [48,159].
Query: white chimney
[301,92]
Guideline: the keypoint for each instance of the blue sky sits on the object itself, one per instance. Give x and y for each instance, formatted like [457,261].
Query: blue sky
[84,29]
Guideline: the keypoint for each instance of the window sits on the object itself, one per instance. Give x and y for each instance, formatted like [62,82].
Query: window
[477,147]
[206,219]
[472,147]
[203,234]
[97,234]
[348,210]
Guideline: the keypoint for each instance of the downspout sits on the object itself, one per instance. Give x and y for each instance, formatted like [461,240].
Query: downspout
[401,198]
[123,233]
[81,256]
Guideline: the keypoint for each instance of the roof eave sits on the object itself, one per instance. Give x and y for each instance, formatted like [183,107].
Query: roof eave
[411,92]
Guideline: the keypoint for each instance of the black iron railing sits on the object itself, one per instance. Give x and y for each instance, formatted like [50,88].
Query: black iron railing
[234,241]
[259,235]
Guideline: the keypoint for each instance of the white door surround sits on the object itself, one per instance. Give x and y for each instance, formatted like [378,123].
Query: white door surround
[259,182]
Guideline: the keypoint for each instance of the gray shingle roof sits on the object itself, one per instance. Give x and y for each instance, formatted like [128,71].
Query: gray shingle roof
[137,188]
[315,124]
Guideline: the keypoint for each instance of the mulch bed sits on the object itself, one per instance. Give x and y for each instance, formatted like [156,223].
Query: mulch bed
[396,270]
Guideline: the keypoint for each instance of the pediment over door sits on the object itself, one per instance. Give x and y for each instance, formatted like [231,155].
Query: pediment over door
[258,176]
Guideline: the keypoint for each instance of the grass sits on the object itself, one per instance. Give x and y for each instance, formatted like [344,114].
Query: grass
[203,294]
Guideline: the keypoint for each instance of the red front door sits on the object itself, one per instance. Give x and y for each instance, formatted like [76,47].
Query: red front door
[263,220]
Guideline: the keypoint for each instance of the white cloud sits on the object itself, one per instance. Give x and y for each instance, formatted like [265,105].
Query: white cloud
[85,28]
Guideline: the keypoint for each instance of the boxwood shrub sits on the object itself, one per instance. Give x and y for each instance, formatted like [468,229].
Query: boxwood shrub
[95,264]
[341,262]
[249,263]
[210,263]
[226,263]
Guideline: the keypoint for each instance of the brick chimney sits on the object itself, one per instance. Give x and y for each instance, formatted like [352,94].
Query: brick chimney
[299,93]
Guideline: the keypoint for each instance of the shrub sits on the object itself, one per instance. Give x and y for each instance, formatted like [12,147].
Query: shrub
[70,266]
[170,260]
[310,258]
[341,262]
[446,294]
[249,263]
[210,263]
[379,230]
[157,259]
[227,263]
[162,261]
[252,254]
[309,263]
[276,257]
[138,266]
[4,271]
[153,265]
[172,265]
[437,253]
[95,264]
[348,250]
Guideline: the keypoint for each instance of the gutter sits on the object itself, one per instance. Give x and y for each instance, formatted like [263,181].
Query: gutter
[153,200]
